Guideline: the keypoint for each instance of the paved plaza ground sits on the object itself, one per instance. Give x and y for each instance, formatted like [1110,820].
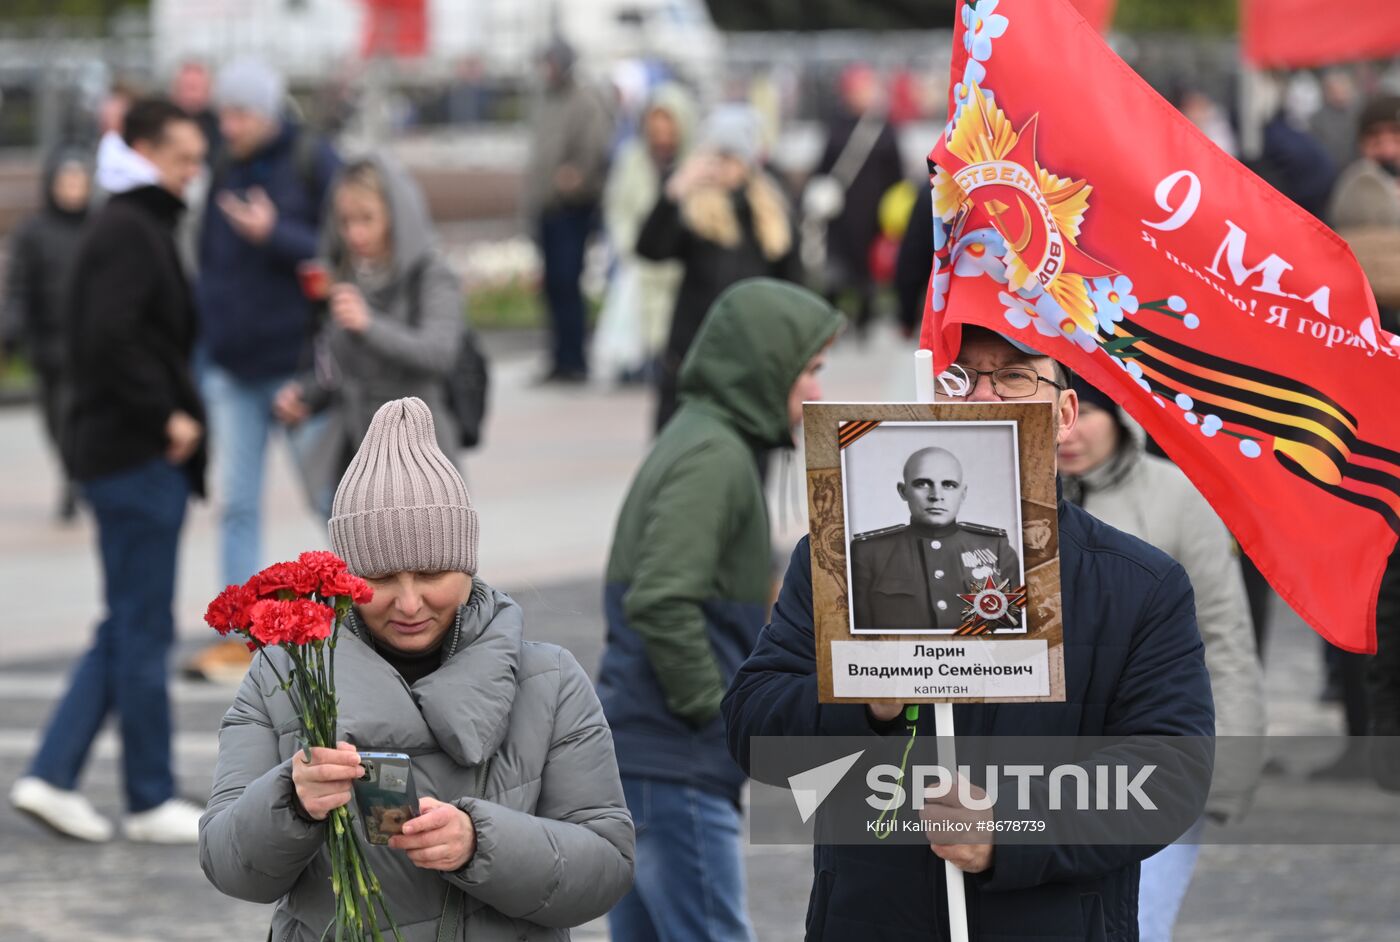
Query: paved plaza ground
[547,487]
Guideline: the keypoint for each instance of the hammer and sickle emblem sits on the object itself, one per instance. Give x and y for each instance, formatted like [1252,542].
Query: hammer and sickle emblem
[997,209]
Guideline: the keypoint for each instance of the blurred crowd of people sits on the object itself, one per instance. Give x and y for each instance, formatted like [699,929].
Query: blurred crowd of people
[689,201]
[217,275]
[213,275]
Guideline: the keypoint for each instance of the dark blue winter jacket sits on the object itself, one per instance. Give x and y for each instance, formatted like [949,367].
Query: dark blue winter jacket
[254,321]
[1133,666]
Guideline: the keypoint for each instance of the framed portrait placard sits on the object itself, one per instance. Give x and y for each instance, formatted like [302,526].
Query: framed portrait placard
[935,552]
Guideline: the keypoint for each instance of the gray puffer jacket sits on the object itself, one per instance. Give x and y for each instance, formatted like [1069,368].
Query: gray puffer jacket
[554,839]
[415,330]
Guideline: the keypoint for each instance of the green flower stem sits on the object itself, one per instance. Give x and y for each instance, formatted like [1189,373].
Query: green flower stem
[394,926]
[361,886]
[282,681]
[359,896]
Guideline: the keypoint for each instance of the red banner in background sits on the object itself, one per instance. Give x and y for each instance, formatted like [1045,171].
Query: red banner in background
[1087,218]
[1099,13]
[397,29]
[1296,34]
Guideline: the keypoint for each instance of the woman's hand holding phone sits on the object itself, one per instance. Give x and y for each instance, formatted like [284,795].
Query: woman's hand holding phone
[442,836]
[439,837]
[323,784]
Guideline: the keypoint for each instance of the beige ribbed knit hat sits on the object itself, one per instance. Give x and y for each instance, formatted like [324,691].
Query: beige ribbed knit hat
[402,506]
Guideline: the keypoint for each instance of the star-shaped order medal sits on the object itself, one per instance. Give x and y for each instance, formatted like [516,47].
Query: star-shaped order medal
[990,177]
[992,606]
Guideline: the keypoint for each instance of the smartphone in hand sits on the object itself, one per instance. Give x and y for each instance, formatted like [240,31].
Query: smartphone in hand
[385,794]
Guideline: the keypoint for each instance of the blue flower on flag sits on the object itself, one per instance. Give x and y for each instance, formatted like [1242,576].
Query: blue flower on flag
[983,24]
[980,252]
[975,73]
[1112,298]
[1015,313]
[1048,311]
[1134,369]
[1021,313]
[939,291]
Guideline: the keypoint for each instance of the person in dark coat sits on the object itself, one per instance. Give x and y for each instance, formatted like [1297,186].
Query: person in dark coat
[267,202]
[41,263]
[858,133]
[562,188]
[1296,164]
[914,264]
[1134,665]
[725,220]
[134,441]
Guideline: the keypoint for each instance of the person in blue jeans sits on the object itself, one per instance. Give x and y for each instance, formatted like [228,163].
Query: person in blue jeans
[134,443]
[267,197]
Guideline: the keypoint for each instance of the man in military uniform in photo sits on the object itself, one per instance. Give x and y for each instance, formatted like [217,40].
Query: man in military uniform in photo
[909,577]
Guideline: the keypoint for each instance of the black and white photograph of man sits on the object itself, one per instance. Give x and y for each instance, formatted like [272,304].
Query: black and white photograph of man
[953,489]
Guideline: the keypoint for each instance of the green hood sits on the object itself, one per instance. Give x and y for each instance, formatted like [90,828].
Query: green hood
[754,342]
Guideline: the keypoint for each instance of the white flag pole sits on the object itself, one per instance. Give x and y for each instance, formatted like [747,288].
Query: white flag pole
[943,712]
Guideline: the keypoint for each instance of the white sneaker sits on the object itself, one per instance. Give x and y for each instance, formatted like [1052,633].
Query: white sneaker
[66,812]
[174,821]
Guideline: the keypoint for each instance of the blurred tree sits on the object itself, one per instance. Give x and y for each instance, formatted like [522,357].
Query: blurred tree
[61,9]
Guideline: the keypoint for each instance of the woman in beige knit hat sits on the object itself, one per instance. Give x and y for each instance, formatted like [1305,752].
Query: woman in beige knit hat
[522,831]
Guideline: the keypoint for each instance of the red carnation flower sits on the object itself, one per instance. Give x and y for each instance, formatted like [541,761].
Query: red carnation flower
[363,593]
[229,610]
[343,583]
[292,577]
[294,621]
[323,563]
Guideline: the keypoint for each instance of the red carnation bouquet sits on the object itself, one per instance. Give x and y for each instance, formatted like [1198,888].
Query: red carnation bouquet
[299,606]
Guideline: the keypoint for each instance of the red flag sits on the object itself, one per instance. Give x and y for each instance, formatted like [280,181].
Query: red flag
[1296,34]
[1089,219]
[1099,13]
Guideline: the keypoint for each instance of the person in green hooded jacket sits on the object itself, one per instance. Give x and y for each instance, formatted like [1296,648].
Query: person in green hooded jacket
[687,593]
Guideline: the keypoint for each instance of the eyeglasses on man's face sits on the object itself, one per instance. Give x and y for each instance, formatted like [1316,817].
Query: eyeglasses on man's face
[1009,382]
